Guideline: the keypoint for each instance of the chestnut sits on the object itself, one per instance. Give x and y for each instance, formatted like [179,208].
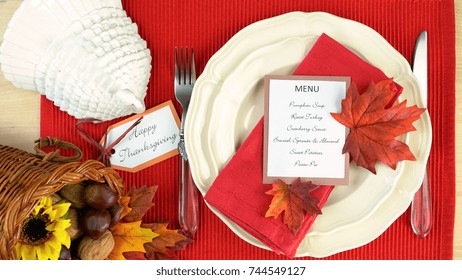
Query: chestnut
[115,211]
[95,222]
[100,196]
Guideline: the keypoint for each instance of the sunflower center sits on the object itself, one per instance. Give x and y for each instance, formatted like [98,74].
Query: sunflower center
[34,230]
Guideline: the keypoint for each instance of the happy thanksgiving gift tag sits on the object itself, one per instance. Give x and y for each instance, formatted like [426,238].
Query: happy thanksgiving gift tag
[154,139]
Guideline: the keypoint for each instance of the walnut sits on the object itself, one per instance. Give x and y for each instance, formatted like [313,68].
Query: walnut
[99,249]
[75,230]
[74,193]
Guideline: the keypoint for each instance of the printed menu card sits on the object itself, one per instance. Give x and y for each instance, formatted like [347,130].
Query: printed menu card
[301,138]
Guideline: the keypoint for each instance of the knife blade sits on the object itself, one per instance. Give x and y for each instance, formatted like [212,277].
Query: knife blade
[421,207]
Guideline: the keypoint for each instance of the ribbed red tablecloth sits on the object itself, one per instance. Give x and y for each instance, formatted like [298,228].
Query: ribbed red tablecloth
[207,25]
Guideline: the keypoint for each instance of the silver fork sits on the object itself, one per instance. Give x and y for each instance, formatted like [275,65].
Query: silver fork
[185,77]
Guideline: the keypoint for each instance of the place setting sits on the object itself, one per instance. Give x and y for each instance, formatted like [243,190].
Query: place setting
[326,57]
[300,131]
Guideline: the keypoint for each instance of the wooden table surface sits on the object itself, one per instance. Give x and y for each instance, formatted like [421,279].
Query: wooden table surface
[20,119]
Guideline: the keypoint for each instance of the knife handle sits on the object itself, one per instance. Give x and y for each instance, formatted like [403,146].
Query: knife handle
[189,203]
[421,209]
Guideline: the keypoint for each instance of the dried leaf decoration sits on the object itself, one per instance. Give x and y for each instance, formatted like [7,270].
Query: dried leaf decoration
[296,202]
[124,201]
[141,200]
[165,245]
[130,237]
[137,240]
[374,126]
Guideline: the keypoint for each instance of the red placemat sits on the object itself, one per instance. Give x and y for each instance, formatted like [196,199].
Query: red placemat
[207,25]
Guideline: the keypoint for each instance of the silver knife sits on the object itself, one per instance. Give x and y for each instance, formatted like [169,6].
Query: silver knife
[421,206]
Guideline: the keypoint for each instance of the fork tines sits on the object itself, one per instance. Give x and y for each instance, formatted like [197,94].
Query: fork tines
[184,59]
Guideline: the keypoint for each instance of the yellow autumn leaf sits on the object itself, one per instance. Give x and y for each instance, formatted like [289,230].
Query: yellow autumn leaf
[124,201]
[130,237]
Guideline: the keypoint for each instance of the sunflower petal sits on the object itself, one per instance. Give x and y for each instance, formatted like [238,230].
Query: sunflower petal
[41,253]
[54,252]
[54,244]
[63,237]
[37,209]
[48,202]
[51,213]
[61,209]
[59,225]
[46,250]
[31,253]
[26,252]
[45,203]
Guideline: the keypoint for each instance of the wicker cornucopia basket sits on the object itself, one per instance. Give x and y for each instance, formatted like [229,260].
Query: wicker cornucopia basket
[26,178]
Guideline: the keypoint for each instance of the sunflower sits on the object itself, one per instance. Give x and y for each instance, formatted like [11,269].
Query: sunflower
[44,232]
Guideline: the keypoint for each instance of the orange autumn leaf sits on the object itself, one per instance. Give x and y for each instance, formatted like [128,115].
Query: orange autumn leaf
[163,246]
[374,125]
[167,239]
[135,256]
[124,201]
[129,237]
[135,240]
[141,200]
[295,201]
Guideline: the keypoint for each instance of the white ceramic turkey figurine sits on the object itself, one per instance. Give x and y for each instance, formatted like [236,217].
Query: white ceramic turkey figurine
[84,55]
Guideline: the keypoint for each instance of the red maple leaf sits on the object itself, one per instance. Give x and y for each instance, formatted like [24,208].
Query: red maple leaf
[294,199]
[374,126]
[165,245]
[141,200]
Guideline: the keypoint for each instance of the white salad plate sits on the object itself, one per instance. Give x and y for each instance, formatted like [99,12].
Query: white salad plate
[227,103]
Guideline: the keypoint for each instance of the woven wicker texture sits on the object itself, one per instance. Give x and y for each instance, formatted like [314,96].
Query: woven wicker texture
[26,178]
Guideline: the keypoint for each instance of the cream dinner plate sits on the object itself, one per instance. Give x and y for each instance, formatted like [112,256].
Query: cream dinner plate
[227,103]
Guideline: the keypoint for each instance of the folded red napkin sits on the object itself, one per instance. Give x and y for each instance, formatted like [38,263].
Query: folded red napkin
[330,58]
[238,191]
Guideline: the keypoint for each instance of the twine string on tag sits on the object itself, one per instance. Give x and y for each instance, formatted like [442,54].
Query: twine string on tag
[105,153]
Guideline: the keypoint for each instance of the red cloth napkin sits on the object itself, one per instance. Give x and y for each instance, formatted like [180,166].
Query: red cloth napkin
[238,191]
[330,58]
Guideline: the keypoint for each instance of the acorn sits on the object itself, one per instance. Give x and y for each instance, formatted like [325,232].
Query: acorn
[95,222]
[100,196]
